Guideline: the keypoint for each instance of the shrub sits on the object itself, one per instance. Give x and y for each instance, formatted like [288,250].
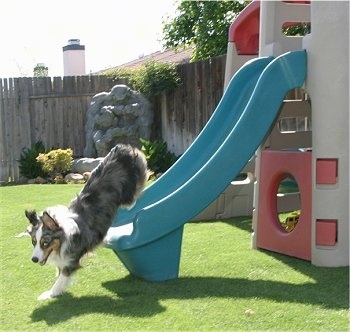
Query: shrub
[159,159]
[56,161]
[29,167]
[152,79]
[156,78]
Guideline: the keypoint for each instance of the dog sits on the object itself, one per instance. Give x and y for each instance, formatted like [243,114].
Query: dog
[62,235]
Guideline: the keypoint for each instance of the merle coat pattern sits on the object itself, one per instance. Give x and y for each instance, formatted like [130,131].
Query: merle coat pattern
[62,235]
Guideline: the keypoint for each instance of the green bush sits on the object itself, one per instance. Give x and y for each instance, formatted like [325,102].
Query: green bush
[159,159]
[29,167]
[156,78]
[56,161]
[126,74]
[152,79]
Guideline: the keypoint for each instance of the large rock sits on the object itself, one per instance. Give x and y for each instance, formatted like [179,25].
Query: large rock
[83,165]
[120,116]
[74,177]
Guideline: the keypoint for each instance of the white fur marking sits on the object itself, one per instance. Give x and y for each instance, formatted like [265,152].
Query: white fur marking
[37,251]
[22,234]
[64,218]
[57,289]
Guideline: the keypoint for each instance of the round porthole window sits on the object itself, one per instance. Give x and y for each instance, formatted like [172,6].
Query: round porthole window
[288,203]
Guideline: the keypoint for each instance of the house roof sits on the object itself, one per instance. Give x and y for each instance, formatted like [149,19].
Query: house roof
[169,55]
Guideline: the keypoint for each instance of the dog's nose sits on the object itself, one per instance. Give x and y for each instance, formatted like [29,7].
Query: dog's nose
[35,259]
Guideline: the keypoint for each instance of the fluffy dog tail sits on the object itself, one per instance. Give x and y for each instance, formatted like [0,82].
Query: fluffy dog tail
[118,180]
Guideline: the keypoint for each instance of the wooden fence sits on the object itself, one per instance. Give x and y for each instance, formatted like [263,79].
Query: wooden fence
[187,109]
[53,110]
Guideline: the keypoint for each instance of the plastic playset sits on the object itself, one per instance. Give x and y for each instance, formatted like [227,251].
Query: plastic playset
[277,88]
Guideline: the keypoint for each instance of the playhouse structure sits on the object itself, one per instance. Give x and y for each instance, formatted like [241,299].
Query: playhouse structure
[284,114]
[317,159]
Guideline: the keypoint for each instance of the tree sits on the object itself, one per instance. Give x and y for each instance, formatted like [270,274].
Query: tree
[203,25]
[41,70]
[300,29]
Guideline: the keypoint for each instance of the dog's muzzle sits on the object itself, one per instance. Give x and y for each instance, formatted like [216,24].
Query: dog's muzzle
[36,259]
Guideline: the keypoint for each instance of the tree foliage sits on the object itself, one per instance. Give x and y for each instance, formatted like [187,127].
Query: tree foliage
[152,79]
[300,29]
[203,25]
[41,70]
[156,78]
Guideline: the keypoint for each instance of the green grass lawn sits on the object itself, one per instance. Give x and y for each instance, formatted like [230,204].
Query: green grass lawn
[223,283]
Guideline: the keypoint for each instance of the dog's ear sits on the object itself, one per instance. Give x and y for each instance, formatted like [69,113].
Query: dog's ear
[32,217]
[49,222]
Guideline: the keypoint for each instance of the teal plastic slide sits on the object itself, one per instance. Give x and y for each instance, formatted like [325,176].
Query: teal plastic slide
[209,140]
[147,238]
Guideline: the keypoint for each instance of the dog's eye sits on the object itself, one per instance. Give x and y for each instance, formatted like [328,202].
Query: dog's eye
[34,241]
[45,244]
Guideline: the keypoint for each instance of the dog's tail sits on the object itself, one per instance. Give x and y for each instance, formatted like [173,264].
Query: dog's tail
[118,180]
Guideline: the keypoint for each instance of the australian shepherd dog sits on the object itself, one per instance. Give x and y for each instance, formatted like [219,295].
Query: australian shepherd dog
[62,235]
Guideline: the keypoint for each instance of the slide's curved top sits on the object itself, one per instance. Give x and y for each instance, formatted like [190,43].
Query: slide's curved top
[164,217]
[207,142]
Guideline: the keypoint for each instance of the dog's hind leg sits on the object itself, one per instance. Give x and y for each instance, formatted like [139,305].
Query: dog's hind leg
[58,288]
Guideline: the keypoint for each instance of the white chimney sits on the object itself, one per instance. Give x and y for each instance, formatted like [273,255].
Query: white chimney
[74,58]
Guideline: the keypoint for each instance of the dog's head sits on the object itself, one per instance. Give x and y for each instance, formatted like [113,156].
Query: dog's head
[46,235]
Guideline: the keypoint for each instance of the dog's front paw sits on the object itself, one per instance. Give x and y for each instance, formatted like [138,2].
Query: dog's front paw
[46,295]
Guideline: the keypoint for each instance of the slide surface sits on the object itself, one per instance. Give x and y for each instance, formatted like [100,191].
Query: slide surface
[149,244]
[209,140]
